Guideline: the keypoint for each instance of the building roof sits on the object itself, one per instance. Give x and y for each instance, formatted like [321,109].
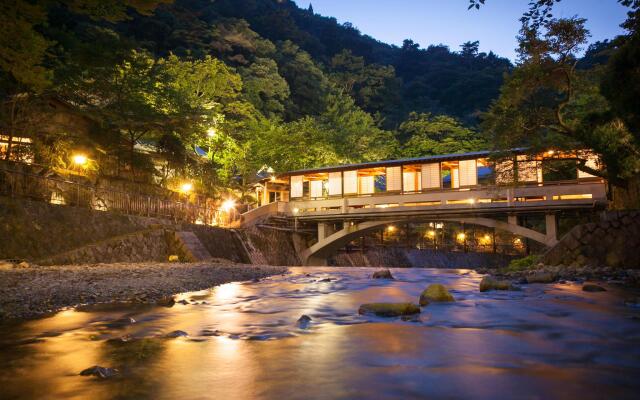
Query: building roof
[390,163]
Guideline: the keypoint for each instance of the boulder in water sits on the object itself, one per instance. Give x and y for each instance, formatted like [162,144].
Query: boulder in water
[590,287]
[176,334]
[303,322]
[167,301]
[100,372]
[382,274]
[389,309]
[541,277]
[489,283]
[435,293]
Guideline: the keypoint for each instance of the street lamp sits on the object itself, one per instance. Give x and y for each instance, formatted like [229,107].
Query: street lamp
[186,187]
[79,159]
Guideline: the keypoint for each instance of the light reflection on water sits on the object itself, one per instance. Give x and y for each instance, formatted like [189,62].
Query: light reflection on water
[547,341]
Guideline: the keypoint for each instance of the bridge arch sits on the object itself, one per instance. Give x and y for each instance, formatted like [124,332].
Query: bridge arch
[326,246]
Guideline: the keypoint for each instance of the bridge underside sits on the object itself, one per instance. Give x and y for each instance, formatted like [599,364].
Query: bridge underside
[330,241]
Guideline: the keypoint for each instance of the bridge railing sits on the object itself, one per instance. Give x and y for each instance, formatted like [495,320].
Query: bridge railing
[585,193]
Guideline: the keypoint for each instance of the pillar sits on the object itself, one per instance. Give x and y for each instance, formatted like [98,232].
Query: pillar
[551,227]
[512,219]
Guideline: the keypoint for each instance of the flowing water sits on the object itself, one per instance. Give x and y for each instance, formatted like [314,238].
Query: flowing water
[546,341]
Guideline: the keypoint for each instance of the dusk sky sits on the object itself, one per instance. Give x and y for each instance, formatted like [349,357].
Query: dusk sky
[448,22]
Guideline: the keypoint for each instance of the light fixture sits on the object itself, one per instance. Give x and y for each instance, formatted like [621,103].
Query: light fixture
[487,237]
[461,236]
[296,211]
[228,205]
[79,159]
[186,187]
[472,201]
[431,233]
[551,152]
[391,228]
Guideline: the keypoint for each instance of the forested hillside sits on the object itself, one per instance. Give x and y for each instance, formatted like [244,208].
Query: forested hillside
[216,91]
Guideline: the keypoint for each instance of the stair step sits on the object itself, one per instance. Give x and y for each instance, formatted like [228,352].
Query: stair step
[193,246]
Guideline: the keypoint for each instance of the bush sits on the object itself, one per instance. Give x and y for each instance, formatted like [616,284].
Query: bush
[521,264]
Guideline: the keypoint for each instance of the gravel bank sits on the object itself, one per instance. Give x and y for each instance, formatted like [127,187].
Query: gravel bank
[37,290]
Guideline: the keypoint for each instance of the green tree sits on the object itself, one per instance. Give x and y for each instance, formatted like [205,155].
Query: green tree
[425,134]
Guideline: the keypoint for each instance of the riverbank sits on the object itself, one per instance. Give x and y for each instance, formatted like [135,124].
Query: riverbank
[620,276]
[32,291]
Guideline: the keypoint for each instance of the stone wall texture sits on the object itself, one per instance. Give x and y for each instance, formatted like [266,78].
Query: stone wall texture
[614,241]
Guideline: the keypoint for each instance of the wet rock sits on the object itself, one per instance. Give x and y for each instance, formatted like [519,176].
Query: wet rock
[303,322]
[325,280]
[23,264]
[167,301]
[183,302]
[541,277]
[489,283]
[120,323]
[590,287]
[382,274]
[435,293]
[209,332]
[389,309]
[176,334]
[100,372]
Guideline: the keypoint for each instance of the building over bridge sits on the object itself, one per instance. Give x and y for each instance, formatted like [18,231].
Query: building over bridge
[348,201]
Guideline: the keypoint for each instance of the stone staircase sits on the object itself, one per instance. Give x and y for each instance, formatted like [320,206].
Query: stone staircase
[189,247]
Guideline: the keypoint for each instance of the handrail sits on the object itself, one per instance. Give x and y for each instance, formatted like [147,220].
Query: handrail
[55,190]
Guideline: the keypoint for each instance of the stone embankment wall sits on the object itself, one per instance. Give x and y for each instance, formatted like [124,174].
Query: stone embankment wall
[33,230]
[614,241]
[148,245]
[53,234]
[395,257]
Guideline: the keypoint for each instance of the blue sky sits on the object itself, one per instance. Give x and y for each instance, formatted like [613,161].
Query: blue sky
[448,22]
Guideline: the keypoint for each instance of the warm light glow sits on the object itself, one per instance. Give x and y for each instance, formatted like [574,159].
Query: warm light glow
[228,205]
[472,201]
[391,228]
[551,152]
[80,159]
[431,233]
[273,178]
[461,236]
[211,132]
[487,237]
[186,187]
[439,225]
[296,211]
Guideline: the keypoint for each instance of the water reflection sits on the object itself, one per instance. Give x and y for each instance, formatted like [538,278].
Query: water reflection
[547,341]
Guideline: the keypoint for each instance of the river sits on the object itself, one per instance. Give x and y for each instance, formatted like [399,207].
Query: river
[546,341]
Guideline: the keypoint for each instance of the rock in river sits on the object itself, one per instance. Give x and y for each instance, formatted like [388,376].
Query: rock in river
[100,372]
[176,334]
[435,293]
[304,321]
[590,287]
[489,283]
[382,274]
[389,309]
[541,277]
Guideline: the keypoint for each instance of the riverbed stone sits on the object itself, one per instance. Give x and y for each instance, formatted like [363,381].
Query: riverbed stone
[590,287]
[100,372]
[382,274]
[389,309]
[166,301]
[541,277]
[489,283]
[176,334]
[303,322]
[436,293]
